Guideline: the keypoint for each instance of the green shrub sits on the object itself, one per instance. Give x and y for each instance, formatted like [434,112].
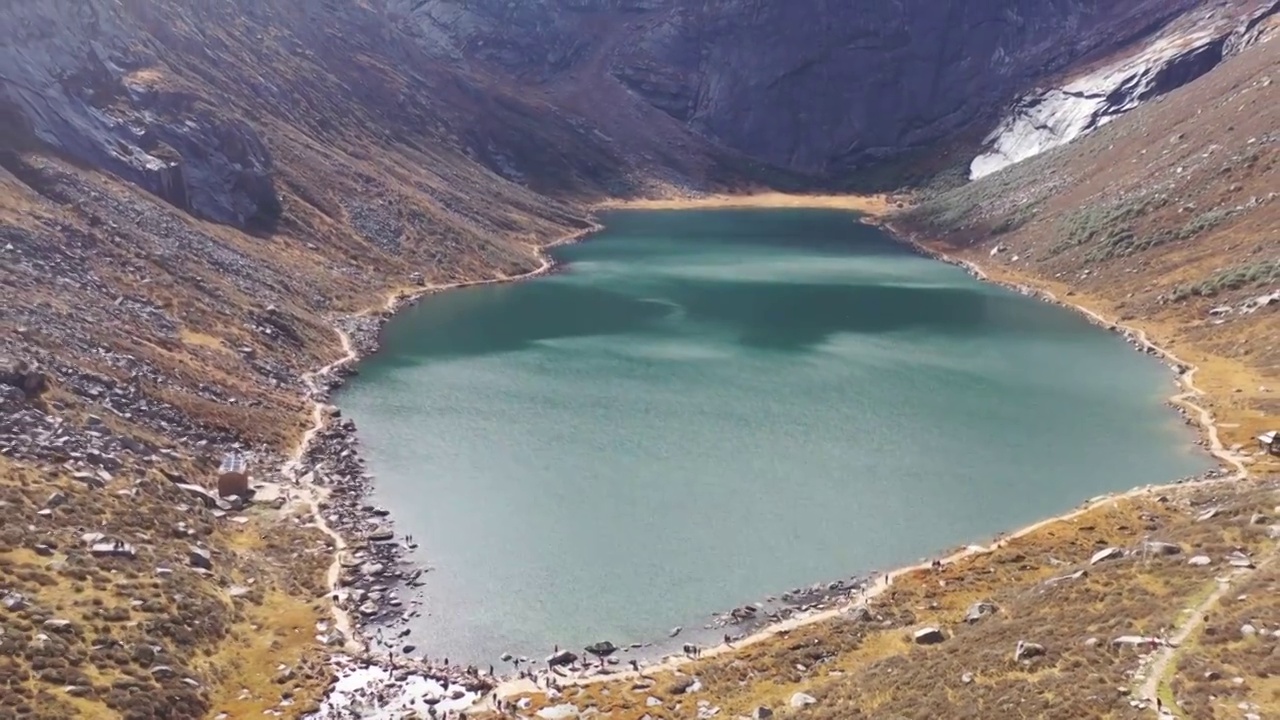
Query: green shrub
[1265,272]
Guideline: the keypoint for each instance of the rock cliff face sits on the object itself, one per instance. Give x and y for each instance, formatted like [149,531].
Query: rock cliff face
[1182,52]
[72,82]
[812,85]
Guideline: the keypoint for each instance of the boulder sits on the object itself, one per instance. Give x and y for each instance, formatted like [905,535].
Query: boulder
[564,711]
[58,625]
[206,498]
[564,657]
[762,713]
[602,649]
[1239,560]
[801,700]
[1135,640]
[1027,650]
[928,636]
[1200,560]
[1065,578]
[200,558]
[860,613]
[1111,553]
[78,691]
[980,610]
[1153,547]
[93,480]
[26,377]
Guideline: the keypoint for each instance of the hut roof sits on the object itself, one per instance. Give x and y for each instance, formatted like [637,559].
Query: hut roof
[233,462]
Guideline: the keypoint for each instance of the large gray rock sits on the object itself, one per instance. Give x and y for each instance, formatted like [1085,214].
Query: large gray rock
[928,636]
[22,375]
[602,649]
[564,657]
[1027,650]
[979,610]
[1111,553]
[801,700]
[111,549]
[1153,547]
[200,558]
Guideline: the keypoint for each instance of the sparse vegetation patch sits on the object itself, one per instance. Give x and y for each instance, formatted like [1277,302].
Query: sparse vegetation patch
[1241,276]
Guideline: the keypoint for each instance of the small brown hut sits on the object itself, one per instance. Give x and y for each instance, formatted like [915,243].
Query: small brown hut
[233,475]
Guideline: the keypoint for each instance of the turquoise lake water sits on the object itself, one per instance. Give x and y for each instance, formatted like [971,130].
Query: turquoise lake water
[708,407]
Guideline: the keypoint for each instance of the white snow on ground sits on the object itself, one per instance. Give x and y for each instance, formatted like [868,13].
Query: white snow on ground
[370,692]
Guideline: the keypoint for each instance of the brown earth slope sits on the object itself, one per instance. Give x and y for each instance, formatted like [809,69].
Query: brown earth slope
[204,187]
[191,194]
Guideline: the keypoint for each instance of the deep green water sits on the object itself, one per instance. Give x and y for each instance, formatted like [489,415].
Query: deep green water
[708,407]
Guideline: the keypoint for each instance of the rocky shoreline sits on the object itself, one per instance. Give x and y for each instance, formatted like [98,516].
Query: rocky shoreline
[374,573]
[375,582]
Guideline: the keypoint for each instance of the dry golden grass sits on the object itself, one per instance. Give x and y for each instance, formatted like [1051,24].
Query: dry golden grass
[1222,667]
[225,645]
[871,669]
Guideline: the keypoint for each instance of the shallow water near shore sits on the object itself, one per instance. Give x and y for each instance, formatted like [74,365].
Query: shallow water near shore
[708,407]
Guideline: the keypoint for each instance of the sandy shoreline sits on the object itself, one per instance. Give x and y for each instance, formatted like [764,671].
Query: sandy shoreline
[872,206]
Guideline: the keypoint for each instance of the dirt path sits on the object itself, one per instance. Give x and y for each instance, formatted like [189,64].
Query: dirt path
[311,496]
[1156,673]
[1157,669]
[1208,424]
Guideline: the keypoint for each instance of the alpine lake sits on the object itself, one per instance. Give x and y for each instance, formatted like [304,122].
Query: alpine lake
[704,408]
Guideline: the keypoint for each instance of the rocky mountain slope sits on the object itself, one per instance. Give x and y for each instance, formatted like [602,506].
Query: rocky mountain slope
[1189,47]
[188,195]
[192,194]
[812,85]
